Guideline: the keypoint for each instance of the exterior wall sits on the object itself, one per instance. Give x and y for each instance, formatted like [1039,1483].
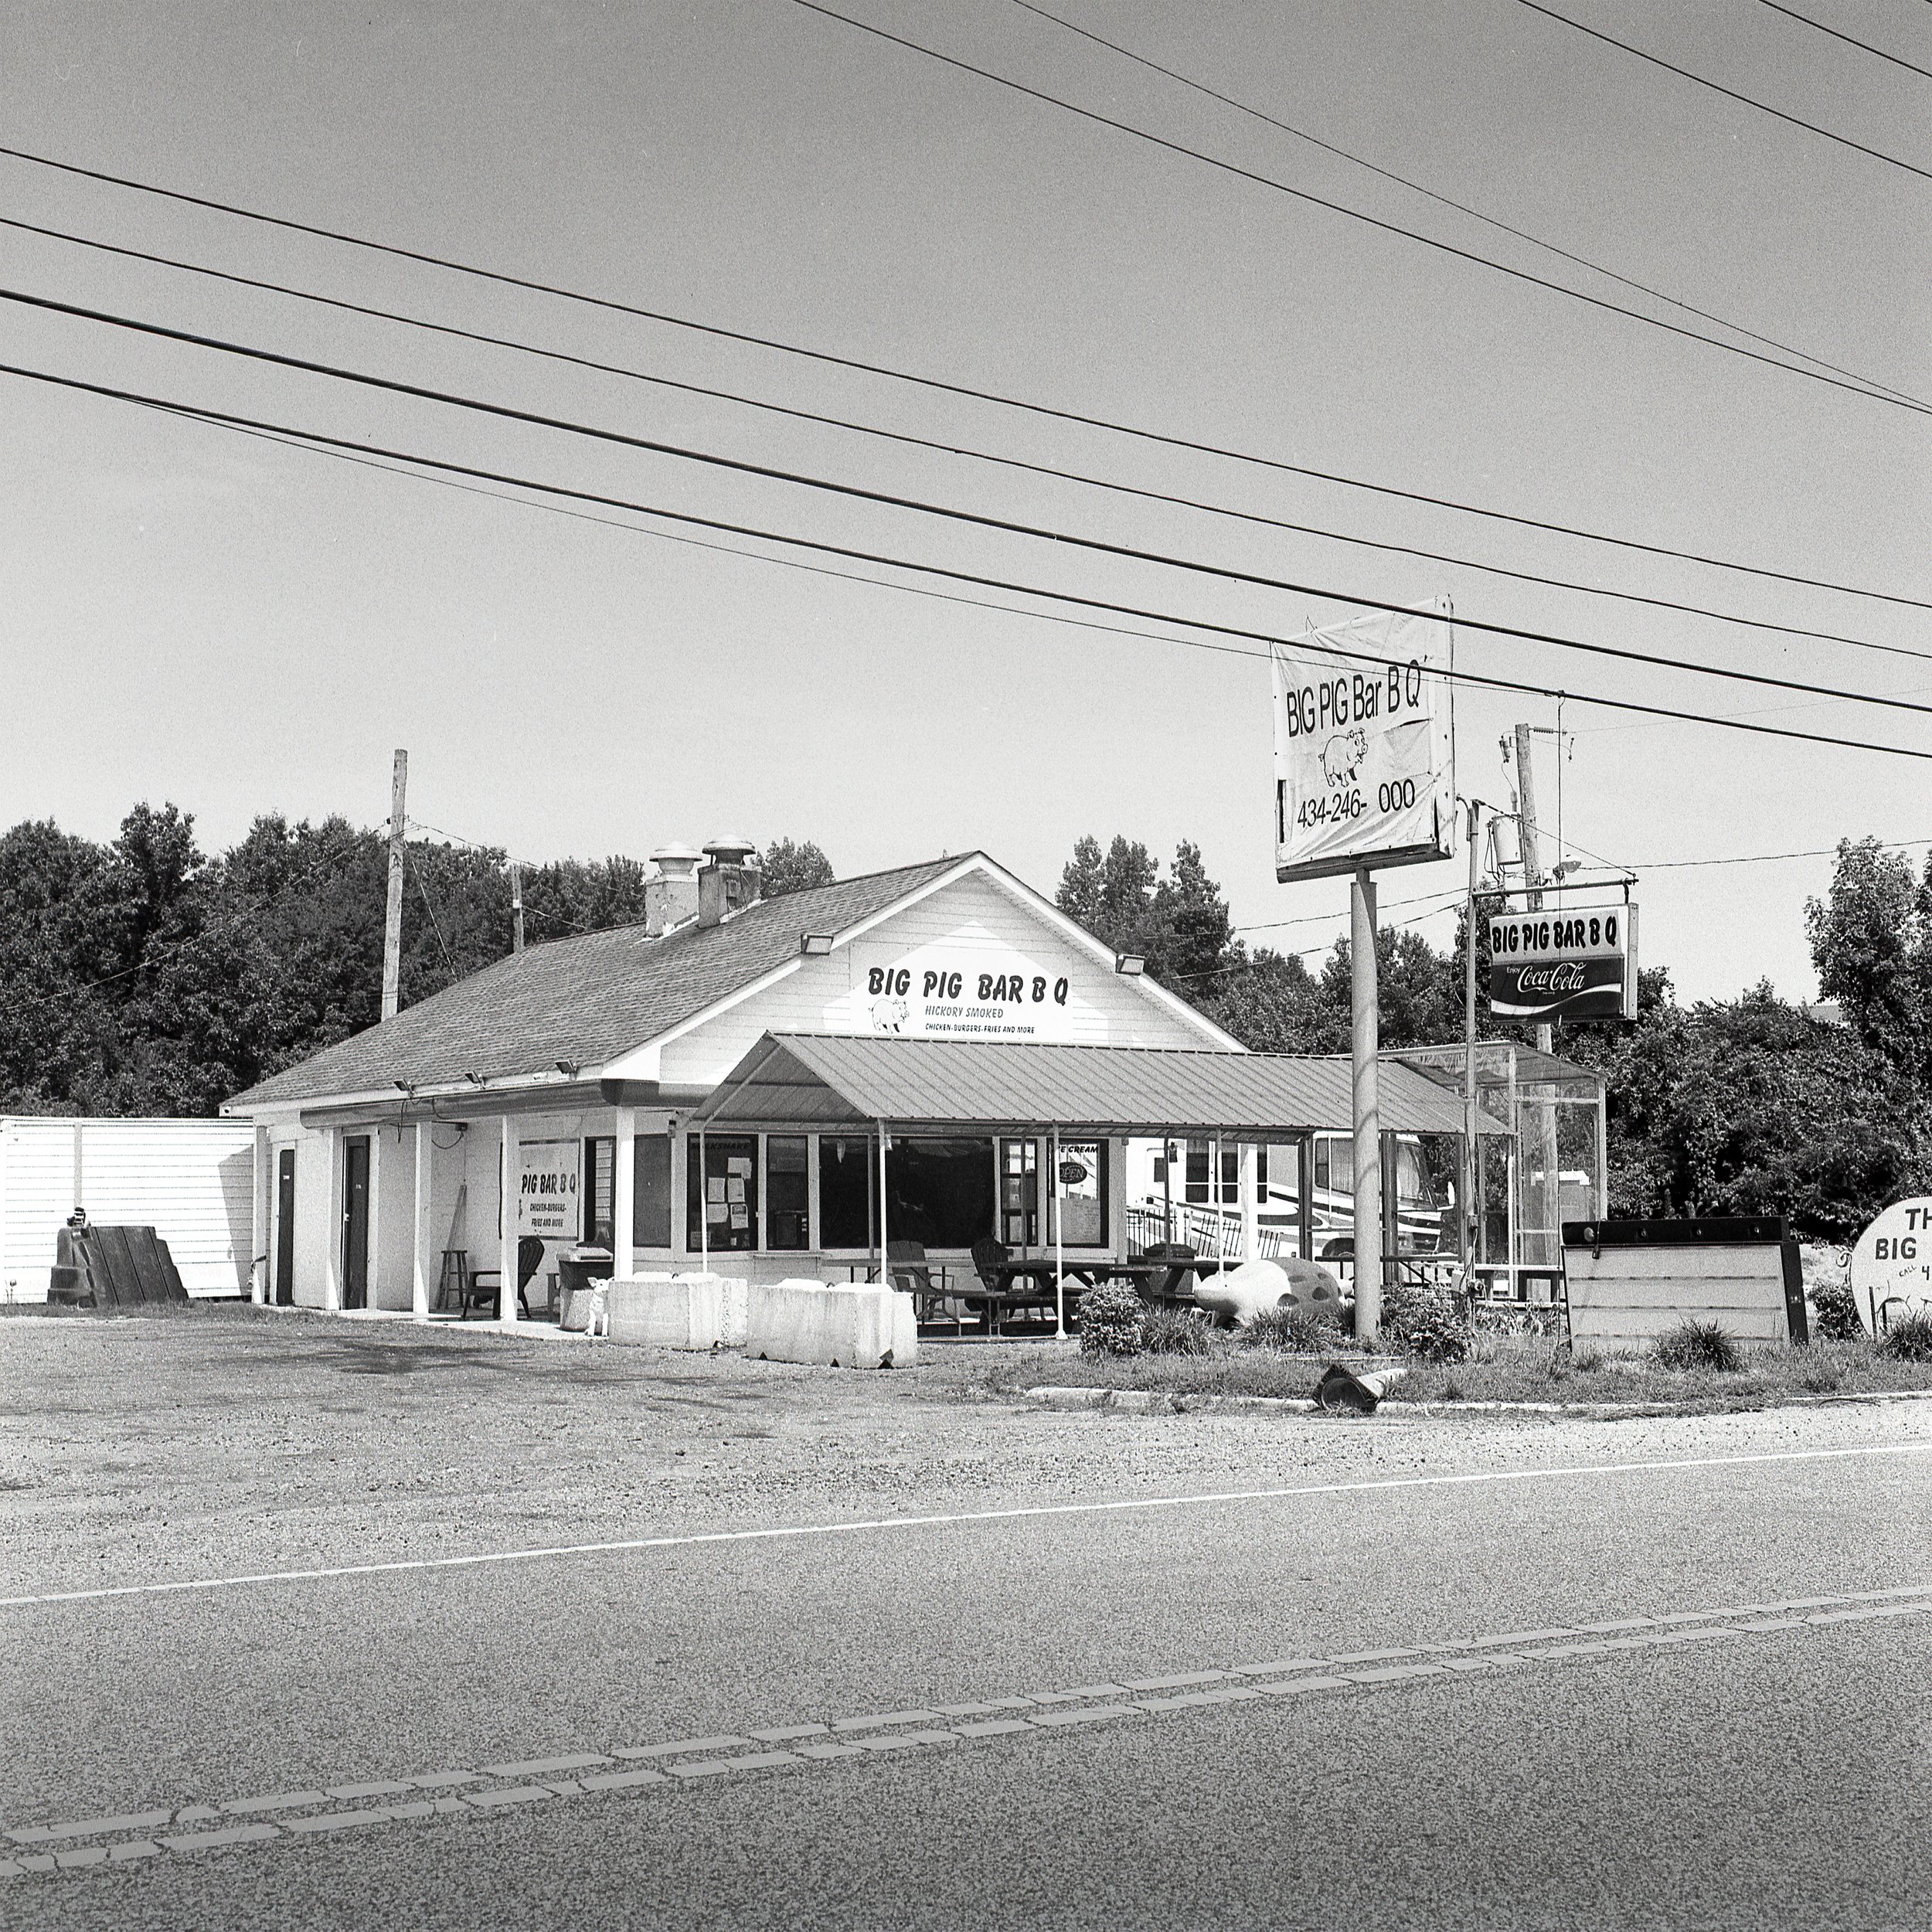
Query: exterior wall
[978,927]
[191,1181]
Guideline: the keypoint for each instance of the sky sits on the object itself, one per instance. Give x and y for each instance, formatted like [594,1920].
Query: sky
[241,626]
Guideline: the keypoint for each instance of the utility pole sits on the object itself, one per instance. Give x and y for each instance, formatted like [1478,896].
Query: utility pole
[1367,1041]
[392,922]
[516,907]
[1542,1148]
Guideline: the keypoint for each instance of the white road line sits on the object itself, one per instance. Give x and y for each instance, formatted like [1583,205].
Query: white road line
[789,1531]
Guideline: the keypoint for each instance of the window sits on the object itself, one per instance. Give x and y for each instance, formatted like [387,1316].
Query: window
[721,1216]
[1200,1162]
[845,1170]
[1079,1193]
[1019,1193]
[651,1204]
[599,1189]
[938,1192]
[788,1203]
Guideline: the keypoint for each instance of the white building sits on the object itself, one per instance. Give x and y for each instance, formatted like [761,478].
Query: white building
[562,1080]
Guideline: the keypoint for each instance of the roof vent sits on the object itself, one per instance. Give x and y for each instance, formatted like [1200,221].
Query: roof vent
[728,880]
[670,893]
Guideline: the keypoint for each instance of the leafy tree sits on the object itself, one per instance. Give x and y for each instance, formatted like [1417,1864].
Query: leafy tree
[1180,925]
[1872,945]
[789,868]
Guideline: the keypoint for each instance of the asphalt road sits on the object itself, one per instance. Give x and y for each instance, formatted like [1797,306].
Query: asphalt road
[1758,1769]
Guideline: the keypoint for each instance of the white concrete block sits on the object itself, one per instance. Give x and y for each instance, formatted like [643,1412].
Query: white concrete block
[664,1313]
[733,1290]
[846,1324]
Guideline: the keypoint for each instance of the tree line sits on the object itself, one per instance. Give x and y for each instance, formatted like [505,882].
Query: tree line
[142,976]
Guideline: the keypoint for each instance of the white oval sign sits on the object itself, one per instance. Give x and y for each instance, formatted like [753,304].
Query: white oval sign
[1892,1265]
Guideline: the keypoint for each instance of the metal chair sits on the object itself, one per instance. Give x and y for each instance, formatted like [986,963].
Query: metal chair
[529,1258]
[912,1274]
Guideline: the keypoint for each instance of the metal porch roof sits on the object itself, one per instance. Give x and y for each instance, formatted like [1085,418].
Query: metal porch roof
[820,1080]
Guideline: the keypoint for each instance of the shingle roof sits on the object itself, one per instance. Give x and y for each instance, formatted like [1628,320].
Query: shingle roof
[586,999]
[827,1080]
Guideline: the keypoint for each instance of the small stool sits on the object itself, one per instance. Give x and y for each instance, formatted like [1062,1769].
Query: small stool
[456,1271]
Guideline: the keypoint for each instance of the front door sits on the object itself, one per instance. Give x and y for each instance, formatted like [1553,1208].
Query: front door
[1019,1193]
[355,1222]
[285,1227]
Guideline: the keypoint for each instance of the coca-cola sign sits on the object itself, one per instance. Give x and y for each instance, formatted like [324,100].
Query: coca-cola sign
[1564,965]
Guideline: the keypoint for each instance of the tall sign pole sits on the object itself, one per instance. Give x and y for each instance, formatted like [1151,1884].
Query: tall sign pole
[393,919]
[1471,1159]
[1365,1002]
[1363,780]
[516,907]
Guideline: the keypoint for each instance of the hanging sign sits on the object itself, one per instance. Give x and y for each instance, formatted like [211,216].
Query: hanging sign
[547,1194]
[1564,964]
[1362,773]
[1892,1264]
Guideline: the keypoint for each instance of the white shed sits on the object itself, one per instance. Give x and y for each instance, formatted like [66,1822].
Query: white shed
[193,1182]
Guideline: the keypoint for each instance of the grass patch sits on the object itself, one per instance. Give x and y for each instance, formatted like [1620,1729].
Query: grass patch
[1909,1338]
[1698,1344]
[1522,1367]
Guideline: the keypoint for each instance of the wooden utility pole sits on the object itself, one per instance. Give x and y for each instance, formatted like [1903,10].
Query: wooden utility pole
[516,907]
[392,922]
[1543,1193]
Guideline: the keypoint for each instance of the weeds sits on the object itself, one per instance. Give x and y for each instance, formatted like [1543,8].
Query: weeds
[1175,1332]
[1294,1330]
[1698,1344]
[1837,1310]
[1909,1338]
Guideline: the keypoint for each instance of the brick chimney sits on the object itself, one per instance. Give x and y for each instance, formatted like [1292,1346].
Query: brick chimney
[728,880]
[670,893]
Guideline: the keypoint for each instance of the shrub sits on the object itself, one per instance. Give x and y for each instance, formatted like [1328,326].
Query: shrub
[1418,1322]
[1698,1344]
[1909,1338]
[1175,1332]
[1296,1329]
[1837,1310]
[1113,1320]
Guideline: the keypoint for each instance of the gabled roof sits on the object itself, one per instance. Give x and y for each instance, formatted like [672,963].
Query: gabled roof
[584,1000]
[825,1080]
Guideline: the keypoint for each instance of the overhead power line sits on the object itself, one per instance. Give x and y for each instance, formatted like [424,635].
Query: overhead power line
[951,448]
[940,386]
[893,500]
[1864,46]
[1269,639]
[1730,93]
[1447,201]
[1857,387]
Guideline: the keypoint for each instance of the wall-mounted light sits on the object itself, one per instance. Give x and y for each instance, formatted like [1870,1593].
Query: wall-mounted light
[475,1079]
[405,1088]
[1132,964]
[568,1069]
[814,945]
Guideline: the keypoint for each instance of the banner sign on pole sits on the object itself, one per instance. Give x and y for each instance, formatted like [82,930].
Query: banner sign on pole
[1564,964]
[1362,773]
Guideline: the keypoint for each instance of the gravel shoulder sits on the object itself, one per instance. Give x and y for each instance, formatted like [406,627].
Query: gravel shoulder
[220,1440]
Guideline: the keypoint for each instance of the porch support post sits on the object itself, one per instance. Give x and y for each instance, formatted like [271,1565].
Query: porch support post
[624,1191]
[421,1232]
[259,1243]
[1250,1207]
[1060,1250]
[509,1181]
[885,1271]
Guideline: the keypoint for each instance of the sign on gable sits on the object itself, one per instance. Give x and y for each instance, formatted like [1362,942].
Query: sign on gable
[960,988]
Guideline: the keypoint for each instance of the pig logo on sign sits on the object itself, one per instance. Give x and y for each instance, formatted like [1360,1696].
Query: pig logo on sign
[1342,755]
[889,1016]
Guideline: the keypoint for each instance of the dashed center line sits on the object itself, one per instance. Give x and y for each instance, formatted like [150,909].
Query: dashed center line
[431,1795]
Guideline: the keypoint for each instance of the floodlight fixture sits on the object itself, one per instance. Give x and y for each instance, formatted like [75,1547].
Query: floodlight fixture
[814,945]
[1130,964]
